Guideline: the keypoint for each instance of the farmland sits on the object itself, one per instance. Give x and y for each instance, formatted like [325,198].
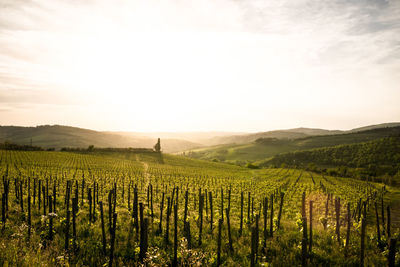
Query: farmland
[127,209]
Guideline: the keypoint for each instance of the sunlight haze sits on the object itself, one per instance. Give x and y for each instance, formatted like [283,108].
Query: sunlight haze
[222,65]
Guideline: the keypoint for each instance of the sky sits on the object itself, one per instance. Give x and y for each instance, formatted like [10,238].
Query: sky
[199,65]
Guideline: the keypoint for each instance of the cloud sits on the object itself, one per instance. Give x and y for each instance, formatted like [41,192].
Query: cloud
[362,30]
[36,96]
[226,53]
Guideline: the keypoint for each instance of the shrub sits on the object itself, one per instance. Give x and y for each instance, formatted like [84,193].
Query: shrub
[251,166]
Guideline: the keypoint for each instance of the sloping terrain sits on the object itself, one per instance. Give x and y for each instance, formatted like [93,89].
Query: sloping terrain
[65,136]
[279,134]
[285,134]
[375,158]
[265,148]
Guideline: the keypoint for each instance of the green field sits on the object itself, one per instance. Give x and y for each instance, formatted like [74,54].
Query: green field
[251,198]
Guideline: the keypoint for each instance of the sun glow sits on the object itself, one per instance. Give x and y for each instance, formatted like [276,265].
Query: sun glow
[170,66]
[176,71]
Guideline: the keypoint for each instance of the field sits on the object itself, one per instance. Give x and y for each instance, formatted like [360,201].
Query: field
[128,209]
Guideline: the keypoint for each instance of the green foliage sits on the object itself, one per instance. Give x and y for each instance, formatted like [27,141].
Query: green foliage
[9,146]
[251,166]
[375,158]
[263,149]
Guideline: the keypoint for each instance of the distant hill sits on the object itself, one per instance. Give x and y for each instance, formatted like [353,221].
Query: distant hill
[313,131]
[264,148]
[200,138]
[225,145]
[248,138]
[286,134]
[373,158]
[377,126]
[57,136]
[279,134]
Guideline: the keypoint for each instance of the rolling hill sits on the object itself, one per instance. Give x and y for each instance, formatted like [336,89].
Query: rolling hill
[264,148]
[279,134]
[58,136]
[373,158]
[203,138]
[286,134]
[376,126]
[228,146]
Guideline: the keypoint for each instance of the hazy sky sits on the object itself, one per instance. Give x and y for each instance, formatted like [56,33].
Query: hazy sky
[189,65]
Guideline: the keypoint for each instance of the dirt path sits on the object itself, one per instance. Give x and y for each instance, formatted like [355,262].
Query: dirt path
[145,171]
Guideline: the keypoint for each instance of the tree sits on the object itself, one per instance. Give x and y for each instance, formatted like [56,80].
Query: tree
[90,148]
[251,166]
[157,146]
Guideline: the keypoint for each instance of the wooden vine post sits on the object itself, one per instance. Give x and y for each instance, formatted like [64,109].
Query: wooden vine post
[103,232]
[348,230]
[175,260]
[280,210]
[229,230]
[219,242]
[310,241]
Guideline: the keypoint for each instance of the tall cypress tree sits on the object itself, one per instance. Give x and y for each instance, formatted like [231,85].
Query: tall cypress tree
[157,146]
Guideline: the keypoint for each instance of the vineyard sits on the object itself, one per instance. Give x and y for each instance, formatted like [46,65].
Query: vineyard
[151,209]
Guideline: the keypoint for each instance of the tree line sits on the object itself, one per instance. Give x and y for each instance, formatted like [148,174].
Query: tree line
[378,158]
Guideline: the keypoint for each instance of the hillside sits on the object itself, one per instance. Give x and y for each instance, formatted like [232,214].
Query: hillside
[65,136]
[265,148]
[287,134]
[376,126]
[204,138]
[279,134]
[373,158]
[225,145]
[57,136]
